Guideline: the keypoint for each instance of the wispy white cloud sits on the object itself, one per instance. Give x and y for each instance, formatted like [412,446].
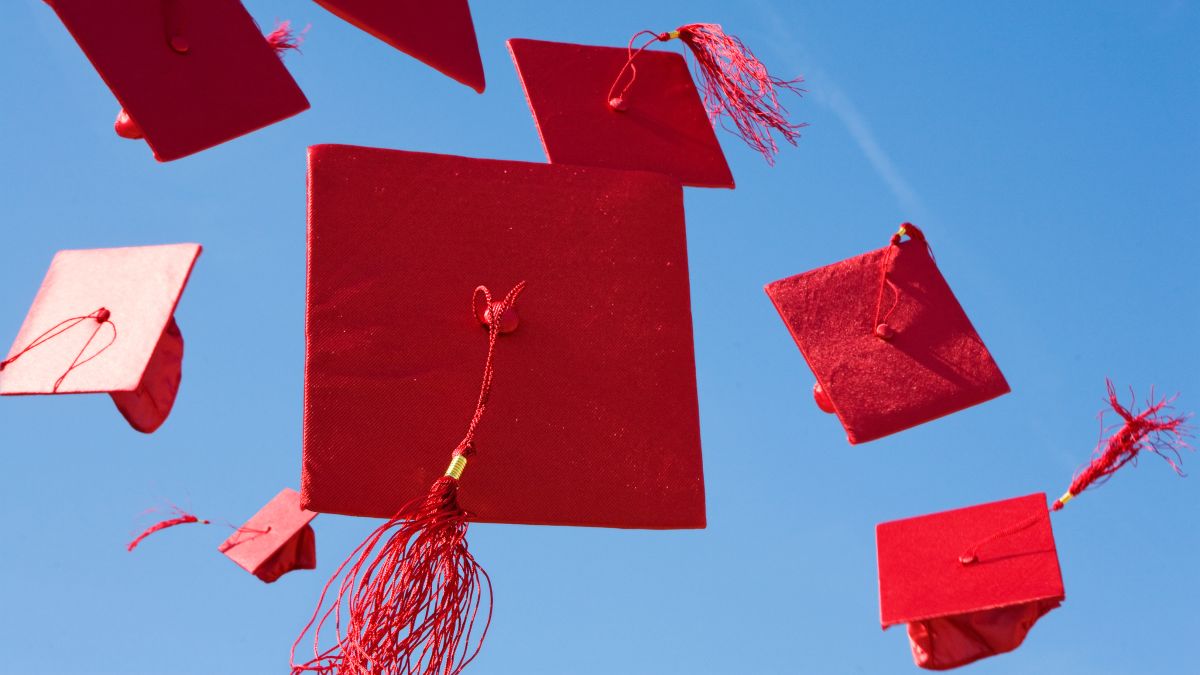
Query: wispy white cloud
[824,91]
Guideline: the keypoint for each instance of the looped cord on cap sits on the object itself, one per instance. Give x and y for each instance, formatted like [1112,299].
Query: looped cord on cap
[102,316]
[734,85]
[880,327]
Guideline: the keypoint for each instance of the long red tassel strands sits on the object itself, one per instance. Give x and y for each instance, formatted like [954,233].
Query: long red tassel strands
[413,593]
[735,86]
[102,318]
[1152,430]
[183,518]
[281,40]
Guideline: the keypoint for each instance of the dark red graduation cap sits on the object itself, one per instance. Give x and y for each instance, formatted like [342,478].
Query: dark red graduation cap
[885,337]
[277,540]
[103,321]
[190,73]
[416,262]
[439,33]
[640,109]
[970,583]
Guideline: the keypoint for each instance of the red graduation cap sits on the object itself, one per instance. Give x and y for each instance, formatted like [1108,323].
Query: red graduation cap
[970,583]
[277,540]
[439,33]
[958,613]
[588,376]
[189,74]
[640,109]
[889,344]
[103,321]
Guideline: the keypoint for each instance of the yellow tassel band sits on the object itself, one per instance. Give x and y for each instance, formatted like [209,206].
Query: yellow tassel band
[1067,496]
[673,35]
[457,465]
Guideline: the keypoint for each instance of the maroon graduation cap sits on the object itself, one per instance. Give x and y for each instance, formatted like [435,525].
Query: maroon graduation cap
[970,583]
[189,74]
[103,321]
[276,540]
[889,344]
[439,33]
[627,108]
[568,287]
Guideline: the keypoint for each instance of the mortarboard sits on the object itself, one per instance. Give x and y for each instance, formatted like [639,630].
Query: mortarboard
[889,344]
[103,321]
[276,540]
[189,74]
[640,109]
[971,582]
[438,33]
[958,613]
[592,419]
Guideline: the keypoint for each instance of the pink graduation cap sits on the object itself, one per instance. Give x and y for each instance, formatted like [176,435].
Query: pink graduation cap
[276,540]
[439,33]
[627,108]
[970,583]
[103,321]
[888,342]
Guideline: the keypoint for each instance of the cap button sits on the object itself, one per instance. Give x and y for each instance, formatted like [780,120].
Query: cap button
[823,401]
[884,332]
[618,104]
[179,44]
[126,127]
[508,321]
[968,559]
[103,315]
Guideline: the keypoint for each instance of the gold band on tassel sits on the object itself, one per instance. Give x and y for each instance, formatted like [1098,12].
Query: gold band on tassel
[457,465]
[902,231]
[1067,496]
[673,35]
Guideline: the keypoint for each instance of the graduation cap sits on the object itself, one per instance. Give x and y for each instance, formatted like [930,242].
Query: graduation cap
[439,33]
[889,344]
[276,540]
[103,321]
[640,109]
[569,287]
[189,74]
[970,583]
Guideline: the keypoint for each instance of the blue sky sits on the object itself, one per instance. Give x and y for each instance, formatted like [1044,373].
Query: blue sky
[1049,151]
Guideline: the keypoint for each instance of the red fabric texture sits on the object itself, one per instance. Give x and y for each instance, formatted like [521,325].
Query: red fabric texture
[148,406]
[439,33]
[227,82]
[593,417]
[958,612]
[138,361]
[932,362]
[276,540]
[662,127]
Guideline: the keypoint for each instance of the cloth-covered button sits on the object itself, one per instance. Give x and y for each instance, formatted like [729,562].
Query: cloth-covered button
[884,332]
[822,398]
[507,322]
[179,44]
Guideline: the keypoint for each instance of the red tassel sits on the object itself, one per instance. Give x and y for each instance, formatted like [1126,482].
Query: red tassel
[281,39]
[413,604]
[734,85]
[183,519]
[1150,429]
